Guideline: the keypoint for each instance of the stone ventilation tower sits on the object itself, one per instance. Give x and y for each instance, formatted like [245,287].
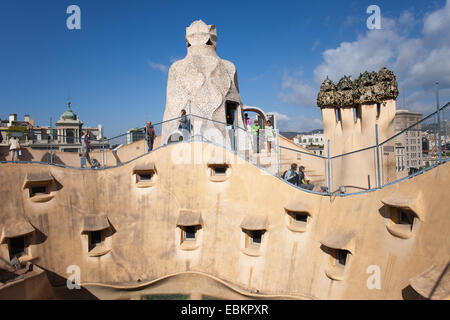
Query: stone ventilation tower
[202,83]
[350,111]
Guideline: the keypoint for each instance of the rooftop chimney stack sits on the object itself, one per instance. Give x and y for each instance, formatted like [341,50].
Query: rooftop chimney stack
[12,118]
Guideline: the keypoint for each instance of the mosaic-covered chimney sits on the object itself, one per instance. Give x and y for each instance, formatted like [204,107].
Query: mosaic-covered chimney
[350,111]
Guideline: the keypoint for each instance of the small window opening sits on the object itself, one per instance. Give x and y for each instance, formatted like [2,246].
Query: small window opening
[341,257]
[355,114]
[38,190]
[190,233]
[17,247]
[145,176]
[95,239]
[406,218]
[209,43]
[300,217]
[256,237]
[337,115]
[219,170]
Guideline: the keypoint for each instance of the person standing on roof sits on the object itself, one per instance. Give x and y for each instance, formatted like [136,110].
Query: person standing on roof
[150,135]
[86,146]
[270,136]
[14,148]
[255,132]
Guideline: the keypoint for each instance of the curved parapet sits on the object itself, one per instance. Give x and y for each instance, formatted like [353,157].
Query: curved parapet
[142,240]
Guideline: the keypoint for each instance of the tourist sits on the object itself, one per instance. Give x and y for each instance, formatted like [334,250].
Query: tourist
[255,132]
[291,175]
[302,179]
[14,148]
[184,122]
[248,122]
[86,146]
[150,135]
[269,136]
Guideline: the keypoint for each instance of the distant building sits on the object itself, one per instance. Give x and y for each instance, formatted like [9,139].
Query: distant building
[400,158]
[14,127]
[310,140]
[135,134]
[65,137]
[409,144]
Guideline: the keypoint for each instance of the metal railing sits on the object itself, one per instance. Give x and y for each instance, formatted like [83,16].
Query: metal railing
[412,151]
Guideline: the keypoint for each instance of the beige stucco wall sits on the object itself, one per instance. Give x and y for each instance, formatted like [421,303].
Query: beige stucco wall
[347,135]
[146,246]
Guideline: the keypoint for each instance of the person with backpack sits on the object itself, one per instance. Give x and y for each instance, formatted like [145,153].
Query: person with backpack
[150,135]
[291,175]
[303,183]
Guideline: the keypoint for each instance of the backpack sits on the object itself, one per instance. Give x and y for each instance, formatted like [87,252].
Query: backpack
[95,164]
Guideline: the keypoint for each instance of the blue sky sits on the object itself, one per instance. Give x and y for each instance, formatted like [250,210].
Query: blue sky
[115,68]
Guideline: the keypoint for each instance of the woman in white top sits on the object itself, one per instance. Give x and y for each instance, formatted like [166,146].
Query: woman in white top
[14,148]
[270,136]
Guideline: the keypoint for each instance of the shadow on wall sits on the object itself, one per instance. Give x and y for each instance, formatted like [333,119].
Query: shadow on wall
[409,293]
[4,153]
[46,158]
[384,212]
[39,237]
[61,292]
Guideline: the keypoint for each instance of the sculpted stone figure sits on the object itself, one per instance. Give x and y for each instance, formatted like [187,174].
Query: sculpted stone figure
[202,83]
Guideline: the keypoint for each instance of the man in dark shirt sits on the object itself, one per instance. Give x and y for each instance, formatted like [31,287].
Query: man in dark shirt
[150,133]
[303,183]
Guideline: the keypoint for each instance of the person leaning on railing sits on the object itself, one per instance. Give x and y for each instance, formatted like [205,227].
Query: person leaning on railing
[14,148]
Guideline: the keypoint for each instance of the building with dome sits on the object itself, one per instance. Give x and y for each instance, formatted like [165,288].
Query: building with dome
[66,133]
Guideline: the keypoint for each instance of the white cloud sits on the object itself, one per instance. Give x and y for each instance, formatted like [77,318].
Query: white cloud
[157,66]
[417,61]
[296,91]
[315,45]
[256,78]
[298,124]
[280,116]
[437,25]
[172,59]
[371,51]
